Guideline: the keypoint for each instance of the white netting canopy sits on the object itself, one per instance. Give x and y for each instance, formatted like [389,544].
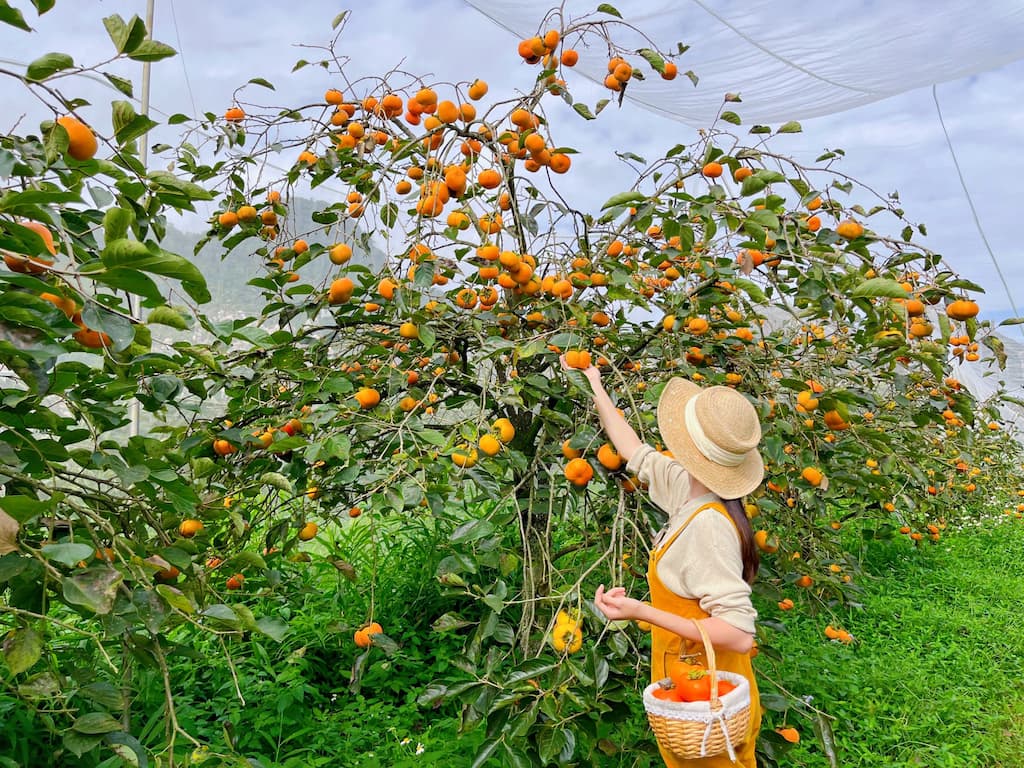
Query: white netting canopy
[789,61]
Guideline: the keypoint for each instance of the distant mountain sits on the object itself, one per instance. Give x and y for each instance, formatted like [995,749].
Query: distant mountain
[228,275]
[983,379]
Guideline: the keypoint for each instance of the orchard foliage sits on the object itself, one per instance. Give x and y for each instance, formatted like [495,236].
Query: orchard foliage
[423,396]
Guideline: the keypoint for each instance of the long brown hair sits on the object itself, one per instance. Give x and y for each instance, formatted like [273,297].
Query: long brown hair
[748,550]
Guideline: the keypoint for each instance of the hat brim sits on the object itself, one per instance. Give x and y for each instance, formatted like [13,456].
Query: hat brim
[726,482]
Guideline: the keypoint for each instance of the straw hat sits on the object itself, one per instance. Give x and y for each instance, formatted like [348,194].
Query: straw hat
[714,433]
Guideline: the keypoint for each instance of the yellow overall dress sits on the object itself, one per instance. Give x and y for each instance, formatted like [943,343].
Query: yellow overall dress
[665,646]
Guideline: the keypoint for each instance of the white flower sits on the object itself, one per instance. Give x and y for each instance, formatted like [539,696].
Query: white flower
[405,741]
[419,748]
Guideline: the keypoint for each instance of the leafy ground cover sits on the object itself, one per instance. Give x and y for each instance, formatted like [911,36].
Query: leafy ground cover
[933,675]
[931,678]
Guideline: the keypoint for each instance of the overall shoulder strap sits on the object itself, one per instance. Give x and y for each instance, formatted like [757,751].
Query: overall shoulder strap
[712,505]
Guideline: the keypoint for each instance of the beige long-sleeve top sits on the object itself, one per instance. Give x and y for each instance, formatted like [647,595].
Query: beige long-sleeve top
[704,562]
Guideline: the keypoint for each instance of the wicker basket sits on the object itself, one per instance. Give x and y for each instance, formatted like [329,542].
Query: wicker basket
[695,729]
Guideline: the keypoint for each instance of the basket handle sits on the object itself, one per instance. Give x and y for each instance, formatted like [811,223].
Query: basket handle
[709,652]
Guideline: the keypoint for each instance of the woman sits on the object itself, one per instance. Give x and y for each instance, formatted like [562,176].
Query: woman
[704,560]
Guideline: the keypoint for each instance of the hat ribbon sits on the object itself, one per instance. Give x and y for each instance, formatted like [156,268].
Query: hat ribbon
[711,450]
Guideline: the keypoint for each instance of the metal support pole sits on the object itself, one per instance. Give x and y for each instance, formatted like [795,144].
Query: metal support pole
[134,410]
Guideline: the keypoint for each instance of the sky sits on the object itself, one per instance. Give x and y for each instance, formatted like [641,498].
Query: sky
[896,144]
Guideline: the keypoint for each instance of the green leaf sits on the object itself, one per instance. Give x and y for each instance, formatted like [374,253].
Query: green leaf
[139,256]
[427,336]
[550,743]
[339,19]
[967,285]
[653,58]
[752,289]
[766,219]
[531,668]
[878,287]
[472,531]
[623,198]
[998,349]
[516,757]
[125,36]
[731,117]
[276,480]
[45,685]
[245,616]
[7,163]
[165,181]
[761,129]
[80,743]
[23,508]
[774,702]
[104,694]
[93,590]
[13,200]
[769,176]
[67,554]
[128,748]
[47,65]
[122,252]
[120,329]
[752,185]
[261,81]
[95,723]
[1012,321]
[22,648]
[583,110]
[791,127]
[175,598]
[609,9]
[432,693]
[272,627]
[449,622]
[488,747]
[247,558]
[13,16]
[151,50]
[222,614]
[118,31]
[389,214]
[823,730]
[116,223]
[129,280]
[128,125]
[167,316]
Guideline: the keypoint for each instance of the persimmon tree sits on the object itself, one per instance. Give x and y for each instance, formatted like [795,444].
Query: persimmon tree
[423,390]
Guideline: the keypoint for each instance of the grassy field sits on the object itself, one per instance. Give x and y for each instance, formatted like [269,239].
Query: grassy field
[934,677]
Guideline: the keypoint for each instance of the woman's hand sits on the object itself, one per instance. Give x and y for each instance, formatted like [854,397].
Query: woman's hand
[592,372]
[615,605]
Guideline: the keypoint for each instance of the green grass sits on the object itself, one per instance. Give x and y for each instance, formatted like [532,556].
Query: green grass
[935,676]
